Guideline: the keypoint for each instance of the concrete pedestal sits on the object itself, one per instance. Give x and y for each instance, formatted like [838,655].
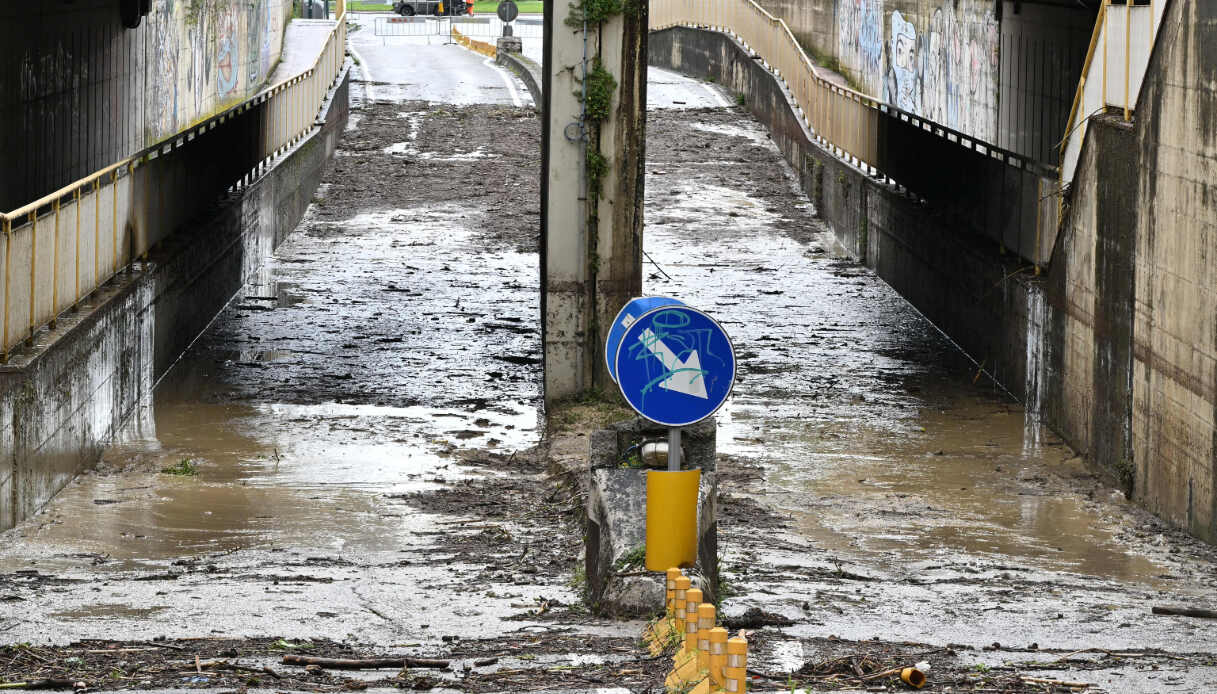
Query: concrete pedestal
[616,515]
[509,44]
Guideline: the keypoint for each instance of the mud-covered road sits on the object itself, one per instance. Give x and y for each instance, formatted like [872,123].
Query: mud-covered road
[348,462]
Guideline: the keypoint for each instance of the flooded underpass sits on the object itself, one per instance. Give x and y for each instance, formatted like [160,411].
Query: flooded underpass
[912,509]
[346,464]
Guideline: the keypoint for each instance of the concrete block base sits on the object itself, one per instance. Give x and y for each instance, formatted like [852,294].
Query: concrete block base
[616,515]
[510,44]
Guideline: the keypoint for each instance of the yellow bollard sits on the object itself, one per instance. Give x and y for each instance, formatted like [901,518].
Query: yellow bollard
[692,601]
[673,574]
[705,622]
[671,533]
[680,595]
[718,656]
[735,673]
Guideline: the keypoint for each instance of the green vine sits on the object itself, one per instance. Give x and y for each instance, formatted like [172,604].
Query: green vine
[593,12]
[600,85]
[597,167]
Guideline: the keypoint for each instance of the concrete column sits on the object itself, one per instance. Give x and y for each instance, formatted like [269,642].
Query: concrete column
[589,269]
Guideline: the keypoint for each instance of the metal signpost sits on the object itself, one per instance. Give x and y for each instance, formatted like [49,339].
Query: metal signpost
[507,12]
[674,364]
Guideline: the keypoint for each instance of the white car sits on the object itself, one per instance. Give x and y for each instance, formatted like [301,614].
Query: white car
[409,8]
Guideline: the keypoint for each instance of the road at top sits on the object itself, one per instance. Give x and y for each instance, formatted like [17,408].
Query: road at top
[427,64]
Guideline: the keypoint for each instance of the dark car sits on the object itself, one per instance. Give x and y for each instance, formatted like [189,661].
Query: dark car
[409,8]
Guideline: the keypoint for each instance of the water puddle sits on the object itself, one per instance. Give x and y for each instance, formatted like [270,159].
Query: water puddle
[409,149]
[109,611]
[758,137]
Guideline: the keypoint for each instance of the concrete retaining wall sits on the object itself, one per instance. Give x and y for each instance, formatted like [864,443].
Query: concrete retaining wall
[1132,296]
[91,377]
[527,70]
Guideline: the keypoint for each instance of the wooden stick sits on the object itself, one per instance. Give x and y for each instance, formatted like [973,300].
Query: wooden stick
[364,663]
[1185,612]
[1055,683]
[40,684]
[885,673]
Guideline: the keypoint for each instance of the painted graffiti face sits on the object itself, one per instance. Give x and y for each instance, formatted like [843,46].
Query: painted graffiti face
[860,39]
[904,65]
[226,53]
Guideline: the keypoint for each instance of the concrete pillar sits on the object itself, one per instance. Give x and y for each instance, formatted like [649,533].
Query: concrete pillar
[591,248]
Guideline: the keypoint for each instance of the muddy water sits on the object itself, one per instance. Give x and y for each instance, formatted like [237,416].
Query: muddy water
[877,437]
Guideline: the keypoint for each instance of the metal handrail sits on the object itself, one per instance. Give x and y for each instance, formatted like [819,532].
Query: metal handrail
[1103,34]
[828,122]
[290,108]
[1099,27]
[63,192]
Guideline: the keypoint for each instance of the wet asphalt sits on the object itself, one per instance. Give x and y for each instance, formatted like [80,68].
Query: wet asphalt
[903,496]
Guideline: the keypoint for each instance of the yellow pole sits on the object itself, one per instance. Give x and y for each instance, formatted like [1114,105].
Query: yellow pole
[1106,31]
[673,574]
[114,219]
[693,598]
[718,656]
[55,266]
[1127,56]
[736,670]
[76,291]
[33,265]
[96,229]
[705,622]
[681,595]
[8,241]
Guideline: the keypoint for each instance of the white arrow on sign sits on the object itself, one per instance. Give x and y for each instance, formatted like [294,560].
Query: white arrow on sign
[687,375]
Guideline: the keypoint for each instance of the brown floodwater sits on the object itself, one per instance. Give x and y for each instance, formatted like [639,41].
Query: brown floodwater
[877,436]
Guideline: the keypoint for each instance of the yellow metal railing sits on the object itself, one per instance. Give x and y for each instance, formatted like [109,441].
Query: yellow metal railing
[1116,61]
[839,117]
[63,246]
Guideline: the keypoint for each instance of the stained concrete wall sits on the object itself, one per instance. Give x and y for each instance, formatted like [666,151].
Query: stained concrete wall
[1135,284]
[79,92]
[591,244]
[91,377]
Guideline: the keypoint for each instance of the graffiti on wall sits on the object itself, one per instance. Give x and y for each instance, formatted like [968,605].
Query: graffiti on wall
[958,70]
[206,54]
[163,28]
[903,80]
[937,59]
[860,36]
[228,57]
[257,41]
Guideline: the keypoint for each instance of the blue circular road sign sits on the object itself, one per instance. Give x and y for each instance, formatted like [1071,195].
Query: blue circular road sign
[675,365]
[632,311]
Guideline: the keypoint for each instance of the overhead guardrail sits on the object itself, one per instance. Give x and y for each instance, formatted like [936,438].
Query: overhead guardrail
[995,192]
[60,248]
[1120,47]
